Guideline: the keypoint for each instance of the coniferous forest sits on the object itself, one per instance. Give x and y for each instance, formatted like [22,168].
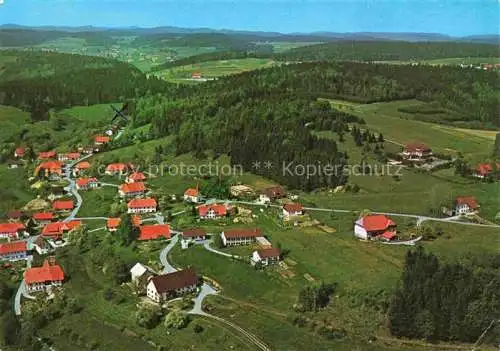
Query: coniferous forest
[449,302]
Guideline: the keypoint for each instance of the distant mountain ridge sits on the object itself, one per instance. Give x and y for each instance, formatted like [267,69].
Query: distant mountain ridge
[312,36]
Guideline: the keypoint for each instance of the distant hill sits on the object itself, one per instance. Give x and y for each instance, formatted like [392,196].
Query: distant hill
[256,35]
[389,51]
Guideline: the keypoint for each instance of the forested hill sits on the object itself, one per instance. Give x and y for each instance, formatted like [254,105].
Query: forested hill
[27,37]
[38,81]
[388,50]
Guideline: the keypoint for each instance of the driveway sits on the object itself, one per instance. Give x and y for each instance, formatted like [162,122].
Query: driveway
[167,267]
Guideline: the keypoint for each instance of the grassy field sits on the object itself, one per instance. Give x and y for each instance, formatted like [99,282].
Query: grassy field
[93,113]
[216,68]
[11,120]
[401,128]
[15,191]
[96,203]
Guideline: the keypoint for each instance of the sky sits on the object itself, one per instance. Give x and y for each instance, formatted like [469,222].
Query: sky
[452,17]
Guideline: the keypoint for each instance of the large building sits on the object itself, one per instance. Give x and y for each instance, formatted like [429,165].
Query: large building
[416,152]
[142,206]
[56,230]
[170,285]
[43,278]
[11,230]
[154,231]
[13,251]
[197,234]
[375,226]
[63,205]
[243,236]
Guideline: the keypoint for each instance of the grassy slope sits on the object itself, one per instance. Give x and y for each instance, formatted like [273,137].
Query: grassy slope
[399,127]
[11,120]
[94,113]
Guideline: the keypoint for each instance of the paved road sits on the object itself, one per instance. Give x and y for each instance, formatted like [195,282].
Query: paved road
[420,218]
[206,245]
[167,267]
[206,290]
[72,188]
[17,299]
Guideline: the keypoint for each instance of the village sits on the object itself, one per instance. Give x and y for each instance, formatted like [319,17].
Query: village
[43,232]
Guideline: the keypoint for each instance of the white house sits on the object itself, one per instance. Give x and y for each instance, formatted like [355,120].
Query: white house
[292,210]
[265,256]
[138,271]
[192,195]
[465,205]
[165,286]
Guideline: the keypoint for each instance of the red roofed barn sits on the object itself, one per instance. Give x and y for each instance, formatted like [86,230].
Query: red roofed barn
[13,251]
[142,206]
[375,226]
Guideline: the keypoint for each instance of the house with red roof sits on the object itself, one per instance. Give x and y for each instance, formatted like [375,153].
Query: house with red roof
[466,205]
[192,195]
[212,211]
[47,155]
[135,177]
[265,256]
[153,232]
[102,140]
[13,251]
[196,234]
[72,156]
[80,168]
[57,229]
[87,183]
[484,170]
[11,230]
[63,205]
[272,193]
[19,152]
[375,226]
[416,152]
[142,206]
[50,169]
[196,75]
[165,286]
[44,278]
[292,210]
[43,218]
[241,236]
[132,189]
[118,168]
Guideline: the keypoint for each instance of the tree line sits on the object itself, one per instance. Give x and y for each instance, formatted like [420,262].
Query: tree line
[449,302]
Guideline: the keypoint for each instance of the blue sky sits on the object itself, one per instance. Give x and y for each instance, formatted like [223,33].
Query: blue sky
[453,17]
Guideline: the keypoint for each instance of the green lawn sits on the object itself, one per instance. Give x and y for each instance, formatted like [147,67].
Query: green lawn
[96,203]
[93,113]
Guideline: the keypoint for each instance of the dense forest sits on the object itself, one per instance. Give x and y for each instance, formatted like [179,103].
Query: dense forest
[449,302]
[36,82]
[28,37]
[388,50]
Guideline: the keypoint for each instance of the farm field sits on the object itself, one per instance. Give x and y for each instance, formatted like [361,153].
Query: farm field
[401,128]
[215,68]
